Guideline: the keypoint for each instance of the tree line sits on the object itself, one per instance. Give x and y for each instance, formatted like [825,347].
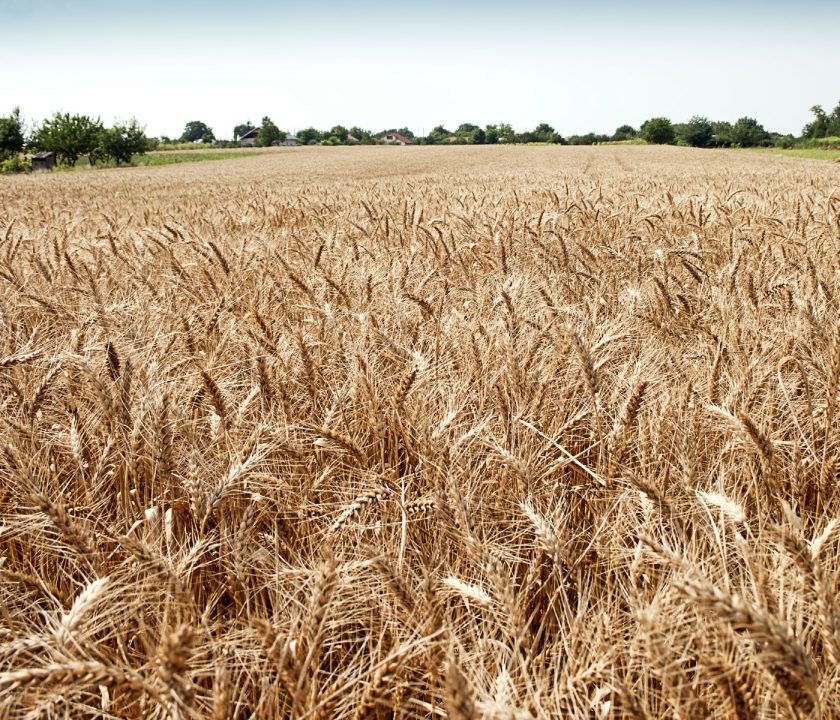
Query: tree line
[72,137]
[698,131]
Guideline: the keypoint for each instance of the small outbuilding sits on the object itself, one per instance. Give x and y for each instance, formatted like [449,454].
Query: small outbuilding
[290,141]
[43,161]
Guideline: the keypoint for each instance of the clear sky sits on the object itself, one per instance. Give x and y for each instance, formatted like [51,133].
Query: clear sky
[580,66]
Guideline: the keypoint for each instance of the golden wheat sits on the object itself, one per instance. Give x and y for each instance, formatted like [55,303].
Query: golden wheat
[422,432]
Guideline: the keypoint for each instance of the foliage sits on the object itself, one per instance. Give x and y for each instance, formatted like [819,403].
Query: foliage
[120,143]
[657,131]
[624,132]
[697,132]
[196,130]
[269,134]
[14,164]
[309,136]
[823,124]
[747,132]
[68,136]
[11,134]
[588,139]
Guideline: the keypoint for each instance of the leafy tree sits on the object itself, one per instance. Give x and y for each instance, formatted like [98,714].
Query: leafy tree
[466,129]
[657,131]
[11,134]
[506,133]
[721,134]
[747,132]
[624,132]
[269,134]
[491,135]
[365,136]
[823,124]
[697,132]
[120,143]
[340,132]
[439,134]
[543,133]
[68,136]
[196,130]
[479,137]
[834,123]
[243,129]
[309,135]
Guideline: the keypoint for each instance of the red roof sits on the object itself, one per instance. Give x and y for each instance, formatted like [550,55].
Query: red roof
[399,137]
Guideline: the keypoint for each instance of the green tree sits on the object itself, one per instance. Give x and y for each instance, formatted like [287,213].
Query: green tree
[491,135]
[747,132]
[506,133]
[120,143]
[11,134]
[657,131]
[242,129]
[697,132]
[269,134]
[68,136]
[624,132]
[721,134]
[340,132]
[308,136]
[365,136]
[196,130]
[439,134]
[543,133]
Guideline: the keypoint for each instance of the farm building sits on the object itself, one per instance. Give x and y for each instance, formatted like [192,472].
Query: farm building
[249,138]
[395,138]
[290,141]
[43,161]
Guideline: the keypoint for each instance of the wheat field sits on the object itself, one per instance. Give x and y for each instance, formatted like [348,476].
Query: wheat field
[422,433]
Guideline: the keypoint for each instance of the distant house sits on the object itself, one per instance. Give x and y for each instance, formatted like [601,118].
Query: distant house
[290,141]
[43,161]
[352,139]
[395,138]
[249,138]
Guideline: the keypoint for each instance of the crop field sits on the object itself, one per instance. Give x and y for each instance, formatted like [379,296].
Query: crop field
[479,432]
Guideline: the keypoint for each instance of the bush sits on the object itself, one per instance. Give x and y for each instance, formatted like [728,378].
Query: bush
[14,164]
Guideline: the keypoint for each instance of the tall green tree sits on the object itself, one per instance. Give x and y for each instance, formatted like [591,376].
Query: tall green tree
[657,131]
[309,135]
[340,132]
[748,132]
[697,132]
[439,134]
[196,130]
[121,142]
[506,132]
[68,136]
[269,134]
[544,133]
[624,132]
[11,134]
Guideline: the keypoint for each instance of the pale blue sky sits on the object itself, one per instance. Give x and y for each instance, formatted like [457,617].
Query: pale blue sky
[585,66]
